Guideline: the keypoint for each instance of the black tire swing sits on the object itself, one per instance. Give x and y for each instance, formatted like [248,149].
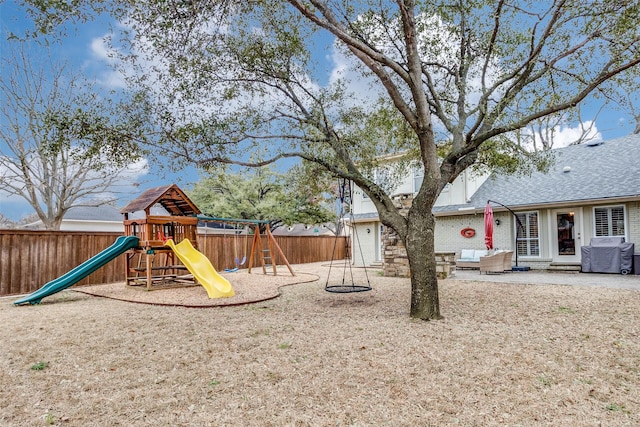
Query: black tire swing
[344,287]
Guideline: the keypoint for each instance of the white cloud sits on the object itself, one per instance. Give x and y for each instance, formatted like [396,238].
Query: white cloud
[105,64]
[565,134]
[99,49]
[365,88]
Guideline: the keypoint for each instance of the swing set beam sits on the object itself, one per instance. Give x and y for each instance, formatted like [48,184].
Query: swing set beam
[232,220]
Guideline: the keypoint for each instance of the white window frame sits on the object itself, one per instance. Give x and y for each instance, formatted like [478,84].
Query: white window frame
[609,220]
[418,177]
[365,196]
[378,175]
[526,236]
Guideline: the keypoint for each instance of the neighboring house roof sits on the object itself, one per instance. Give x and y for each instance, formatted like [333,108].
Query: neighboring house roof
[94,213]
[87,214]
[596,172]
[305,230]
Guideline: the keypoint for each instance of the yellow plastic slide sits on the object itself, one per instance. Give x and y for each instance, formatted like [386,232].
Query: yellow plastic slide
[200,266]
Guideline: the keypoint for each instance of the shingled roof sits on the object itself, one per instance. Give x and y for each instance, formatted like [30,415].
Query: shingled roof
[594,172]
[169,197]
[94,213]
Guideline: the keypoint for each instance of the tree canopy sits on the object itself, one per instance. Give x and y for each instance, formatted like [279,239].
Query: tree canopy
[6,222]
[262,194]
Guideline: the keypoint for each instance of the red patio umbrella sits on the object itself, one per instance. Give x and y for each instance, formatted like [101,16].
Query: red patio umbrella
[488,226]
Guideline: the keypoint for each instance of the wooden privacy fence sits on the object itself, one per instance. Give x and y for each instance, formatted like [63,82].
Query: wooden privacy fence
[29,259]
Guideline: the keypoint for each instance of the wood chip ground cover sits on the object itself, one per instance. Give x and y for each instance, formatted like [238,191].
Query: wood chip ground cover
[505,355]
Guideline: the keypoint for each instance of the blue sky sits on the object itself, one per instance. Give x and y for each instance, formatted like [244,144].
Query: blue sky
[83,49]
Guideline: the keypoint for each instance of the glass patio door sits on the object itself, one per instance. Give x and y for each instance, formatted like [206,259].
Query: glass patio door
[566,240]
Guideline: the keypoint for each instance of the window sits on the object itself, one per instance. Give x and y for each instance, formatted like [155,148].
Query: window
[381,176]
[609,221]
[528,240]
[371,175]
[418,177]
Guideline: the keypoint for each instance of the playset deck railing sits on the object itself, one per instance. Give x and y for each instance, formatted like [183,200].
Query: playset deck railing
[150,229]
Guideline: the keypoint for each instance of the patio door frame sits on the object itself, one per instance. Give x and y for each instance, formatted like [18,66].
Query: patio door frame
[379,243]
[577,233]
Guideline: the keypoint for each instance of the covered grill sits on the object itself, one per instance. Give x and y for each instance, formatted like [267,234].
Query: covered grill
[607,255]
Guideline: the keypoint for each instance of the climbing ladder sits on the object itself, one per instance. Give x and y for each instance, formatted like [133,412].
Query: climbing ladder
[266,253]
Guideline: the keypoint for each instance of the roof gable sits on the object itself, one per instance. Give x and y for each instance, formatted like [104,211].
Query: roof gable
[170,197]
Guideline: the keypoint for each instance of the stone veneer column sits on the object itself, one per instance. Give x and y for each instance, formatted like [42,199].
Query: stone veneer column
[395,262]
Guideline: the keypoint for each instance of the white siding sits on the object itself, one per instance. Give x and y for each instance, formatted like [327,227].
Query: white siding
[448,237]
[462,188]
[365,246]
[456,193]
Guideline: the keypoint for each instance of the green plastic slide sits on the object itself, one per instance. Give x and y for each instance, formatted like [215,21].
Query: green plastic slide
[121,245]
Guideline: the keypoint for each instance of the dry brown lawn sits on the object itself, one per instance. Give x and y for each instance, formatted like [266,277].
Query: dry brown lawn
[505,355]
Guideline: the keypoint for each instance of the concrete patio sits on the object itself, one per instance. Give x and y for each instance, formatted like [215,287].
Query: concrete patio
[539,277]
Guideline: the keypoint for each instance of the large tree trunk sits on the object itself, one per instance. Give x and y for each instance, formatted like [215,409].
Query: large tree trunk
[420,245]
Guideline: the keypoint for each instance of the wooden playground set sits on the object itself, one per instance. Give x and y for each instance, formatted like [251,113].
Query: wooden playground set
[152,263]
[161,249]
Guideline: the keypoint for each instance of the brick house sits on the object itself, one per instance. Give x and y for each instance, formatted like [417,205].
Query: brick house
[591,190]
